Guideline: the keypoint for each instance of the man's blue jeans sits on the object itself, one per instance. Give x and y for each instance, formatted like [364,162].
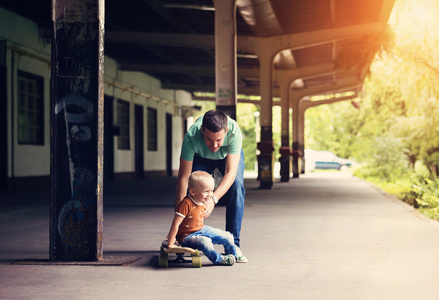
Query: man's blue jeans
[206,237]
[234,197]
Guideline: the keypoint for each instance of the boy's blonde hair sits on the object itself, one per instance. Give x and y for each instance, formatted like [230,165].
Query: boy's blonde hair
[197,177]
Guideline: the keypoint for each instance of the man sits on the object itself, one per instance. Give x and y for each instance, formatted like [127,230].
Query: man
[215,141]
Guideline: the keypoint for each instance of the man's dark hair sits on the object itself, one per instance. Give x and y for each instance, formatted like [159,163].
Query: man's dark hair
[215,120]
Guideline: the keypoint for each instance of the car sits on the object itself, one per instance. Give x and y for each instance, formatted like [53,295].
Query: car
[325,160]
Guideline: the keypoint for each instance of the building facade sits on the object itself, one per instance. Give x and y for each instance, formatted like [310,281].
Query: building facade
[143,123]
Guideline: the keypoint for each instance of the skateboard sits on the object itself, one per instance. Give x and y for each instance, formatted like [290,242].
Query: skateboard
[180,252]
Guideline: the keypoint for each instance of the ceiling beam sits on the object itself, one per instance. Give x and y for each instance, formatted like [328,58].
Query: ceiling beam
[244,44]
[249,91]
[351,83]
[308,103]
[168,15]
[161,39]
[386,9]
[253,73]
[185,69]
[276,44]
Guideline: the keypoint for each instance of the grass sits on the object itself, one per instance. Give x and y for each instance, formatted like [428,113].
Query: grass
[401,189]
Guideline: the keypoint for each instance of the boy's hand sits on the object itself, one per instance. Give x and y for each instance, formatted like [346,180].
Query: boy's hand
[209,208]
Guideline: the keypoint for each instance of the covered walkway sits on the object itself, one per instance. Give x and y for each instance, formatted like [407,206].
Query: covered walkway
[325,236]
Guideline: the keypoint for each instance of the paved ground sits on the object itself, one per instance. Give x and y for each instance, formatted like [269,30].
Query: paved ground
[323,236]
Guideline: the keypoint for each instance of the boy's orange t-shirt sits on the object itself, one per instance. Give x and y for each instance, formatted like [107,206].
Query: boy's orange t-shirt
[193,214]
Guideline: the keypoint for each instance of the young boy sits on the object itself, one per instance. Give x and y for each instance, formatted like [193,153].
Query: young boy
[188,225]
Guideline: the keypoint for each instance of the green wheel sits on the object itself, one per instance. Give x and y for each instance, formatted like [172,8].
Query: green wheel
[196,261]
[163,261]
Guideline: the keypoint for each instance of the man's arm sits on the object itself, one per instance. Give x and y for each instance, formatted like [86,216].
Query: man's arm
[183,176]
[232,162]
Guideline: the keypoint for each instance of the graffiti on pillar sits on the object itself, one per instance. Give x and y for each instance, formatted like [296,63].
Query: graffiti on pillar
[75,142]
[82,69]
[265,167]
[224,93]
[224,96]
[75,215]
[77,130]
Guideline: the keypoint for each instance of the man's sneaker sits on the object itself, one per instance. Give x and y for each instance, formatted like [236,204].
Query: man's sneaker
[239,257]
[228,260]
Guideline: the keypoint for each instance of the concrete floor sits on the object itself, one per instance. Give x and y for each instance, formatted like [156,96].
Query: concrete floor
[326,235]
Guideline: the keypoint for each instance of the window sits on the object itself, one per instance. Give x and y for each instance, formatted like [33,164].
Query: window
[30,109]
[123,121]
[152,129]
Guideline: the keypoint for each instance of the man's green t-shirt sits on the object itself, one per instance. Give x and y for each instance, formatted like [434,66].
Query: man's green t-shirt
[193,142]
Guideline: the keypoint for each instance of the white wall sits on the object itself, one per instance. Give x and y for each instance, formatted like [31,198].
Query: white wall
[25,162]
[154,160]
[27,52]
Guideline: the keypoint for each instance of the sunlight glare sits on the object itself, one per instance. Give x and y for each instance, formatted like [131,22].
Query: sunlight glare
[419,14]
[423,13]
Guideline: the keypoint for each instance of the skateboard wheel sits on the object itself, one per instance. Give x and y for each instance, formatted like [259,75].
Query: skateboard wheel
[196,261]
[163,261]
[163,258]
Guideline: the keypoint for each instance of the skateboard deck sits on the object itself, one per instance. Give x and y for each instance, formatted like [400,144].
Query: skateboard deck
[180,252]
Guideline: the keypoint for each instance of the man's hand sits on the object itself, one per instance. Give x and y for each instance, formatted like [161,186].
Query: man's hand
[209,208]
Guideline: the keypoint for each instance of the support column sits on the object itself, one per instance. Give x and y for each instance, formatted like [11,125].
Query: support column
[296,129]
[225,56]
[302,137]
[303,106]
[265,146]
[285,149]
[76,214]
[299,106]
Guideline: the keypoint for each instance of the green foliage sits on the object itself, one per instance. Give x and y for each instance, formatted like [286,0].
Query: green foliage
[386,160]
[335,127]
[204,107]
[425,191]
[396,126]
[246,121]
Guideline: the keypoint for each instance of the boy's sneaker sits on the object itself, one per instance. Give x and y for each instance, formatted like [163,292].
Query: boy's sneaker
[228,260]
[239,257]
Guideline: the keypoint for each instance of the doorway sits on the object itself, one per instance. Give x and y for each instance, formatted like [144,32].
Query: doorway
[3,119]
[169,145]
[108,139]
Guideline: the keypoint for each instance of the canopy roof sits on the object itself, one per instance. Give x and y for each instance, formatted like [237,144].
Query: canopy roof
[173,40]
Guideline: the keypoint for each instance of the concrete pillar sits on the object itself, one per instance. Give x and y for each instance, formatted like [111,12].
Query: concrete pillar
[302,137]
[266,48]
[299,108]
[295,98]
[304,105]
[285,149]
[285,79]
[76,215]
[265,146]
[225,56]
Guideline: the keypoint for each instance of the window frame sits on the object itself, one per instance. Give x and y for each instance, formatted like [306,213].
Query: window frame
[123,122]
[152,129]
[24,112]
